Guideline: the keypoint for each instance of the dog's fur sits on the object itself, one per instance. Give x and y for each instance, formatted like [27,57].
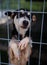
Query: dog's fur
[21,25]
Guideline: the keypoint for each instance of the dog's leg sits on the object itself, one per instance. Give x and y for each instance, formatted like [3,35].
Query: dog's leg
[28,52]
[25,55]
[13,53]
[13,60]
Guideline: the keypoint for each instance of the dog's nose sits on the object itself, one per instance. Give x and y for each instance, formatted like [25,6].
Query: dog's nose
[25,23]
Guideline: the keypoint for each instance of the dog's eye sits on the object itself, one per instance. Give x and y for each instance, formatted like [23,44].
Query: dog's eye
[28,16]
[20,15]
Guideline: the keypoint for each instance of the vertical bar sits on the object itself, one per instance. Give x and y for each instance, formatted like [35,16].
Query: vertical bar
[1,6]
[7,7]
[30,26]
[41,33]
[0,51]
[7,2]
[18,16]
[1,16]
[18,4]
[30,17]
[0,57]
[18,22]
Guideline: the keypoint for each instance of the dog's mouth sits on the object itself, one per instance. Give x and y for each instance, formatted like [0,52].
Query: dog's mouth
[24,27]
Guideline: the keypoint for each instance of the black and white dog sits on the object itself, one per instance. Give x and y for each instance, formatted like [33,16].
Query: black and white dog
[19,51]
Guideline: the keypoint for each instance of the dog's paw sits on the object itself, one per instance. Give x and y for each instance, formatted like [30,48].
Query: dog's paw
[23,43]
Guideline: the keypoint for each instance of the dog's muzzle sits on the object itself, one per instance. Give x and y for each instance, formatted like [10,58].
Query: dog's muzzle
[25,24]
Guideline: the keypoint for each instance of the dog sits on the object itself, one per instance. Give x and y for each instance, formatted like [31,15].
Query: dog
[20,48]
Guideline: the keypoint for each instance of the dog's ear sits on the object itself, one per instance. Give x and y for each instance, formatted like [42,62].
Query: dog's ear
[8,13]
[11,14]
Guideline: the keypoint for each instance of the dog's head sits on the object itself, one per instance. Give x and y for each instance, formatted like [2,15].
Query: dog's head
[21,19]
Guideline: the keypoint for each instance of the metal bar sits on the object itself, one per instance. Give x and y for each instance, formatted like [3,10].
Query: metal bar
[30,41]
[0,58]
[4,63]
[7,2]
[30,27]
[41,34]
[18,16]
[25,11]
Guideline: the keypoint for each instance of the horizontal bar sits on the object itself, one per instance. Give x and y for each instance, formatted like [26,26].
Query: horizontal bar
[25,11]
[5,63]
[19,40]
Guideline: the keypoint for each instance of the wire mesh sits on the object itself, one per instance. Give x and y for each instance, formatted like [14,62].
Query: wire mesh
[8,39]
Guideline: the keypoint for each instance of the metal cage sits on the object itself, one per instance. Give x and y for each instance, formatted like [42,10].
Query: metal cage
[39,32]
